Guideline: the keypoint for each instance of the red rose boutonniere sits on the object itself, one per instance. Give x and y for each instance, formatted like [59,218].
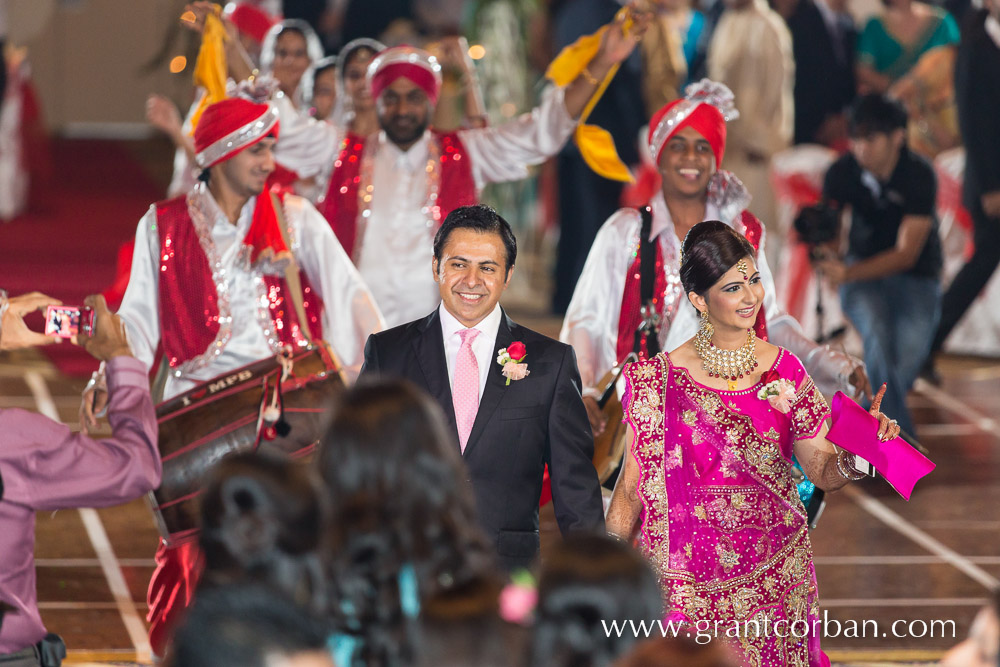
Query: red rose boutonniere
[769,376]
[512,359]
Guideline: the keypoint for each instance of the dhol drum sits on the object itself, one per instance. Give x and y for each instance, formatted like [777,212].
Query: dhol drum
[609,446]
[277,405]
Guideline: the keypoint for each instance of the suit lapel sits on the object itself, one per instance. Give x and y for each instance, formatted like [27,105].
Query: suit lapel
[495,385]
[429,349]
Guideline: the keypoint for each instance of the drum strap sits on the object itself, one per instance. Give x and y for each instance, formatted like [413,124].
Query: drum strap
[649,326]
[292,272]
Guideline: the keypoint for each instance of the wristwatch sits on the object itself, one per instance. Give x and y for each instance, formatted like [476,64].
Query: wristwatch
[847,466]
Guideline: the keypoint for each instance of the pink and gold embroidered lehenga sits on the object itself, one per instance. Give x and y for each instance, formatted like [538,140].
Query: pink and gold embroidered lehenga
[721,520]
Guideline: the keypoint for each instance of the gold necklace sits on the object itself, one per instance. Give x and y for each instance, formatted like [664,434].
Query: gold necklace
[730,365]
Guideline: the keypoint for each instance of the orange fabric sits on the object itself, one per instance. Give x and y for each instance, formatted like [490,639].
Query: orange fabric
[595,144]
[210,67]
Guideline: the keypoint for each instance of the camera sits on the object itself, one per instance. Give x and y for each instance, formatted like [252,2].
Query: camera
[68,321]
[817,224]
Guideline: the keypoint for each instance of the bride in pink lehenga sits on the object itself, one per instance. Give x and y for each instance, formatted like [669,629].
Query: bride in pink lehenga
[712,429]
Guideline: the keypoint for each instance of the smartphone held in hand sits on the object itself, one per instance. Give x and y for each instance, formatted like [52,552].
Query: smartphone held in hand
[68,321]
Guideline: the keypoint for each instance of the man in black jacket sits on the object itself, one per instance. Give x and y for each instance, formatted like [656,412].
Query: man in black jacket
[889,278]
[511,395]
[823,38]
[977,92]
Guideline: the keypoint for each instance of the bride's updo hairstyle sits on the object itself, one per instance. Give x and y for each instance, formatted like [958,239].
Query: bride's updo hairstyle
[709,250]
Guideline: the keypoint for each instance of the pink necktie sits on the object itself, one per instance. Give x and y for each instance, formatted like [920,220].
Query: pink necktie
[465,388]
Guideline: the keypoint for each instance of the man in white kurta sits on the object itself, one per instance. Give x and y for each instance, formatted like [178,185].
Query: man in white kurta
[592,321]
[400,205]
[208,288]
[751,53]
[591,324]
[349,313]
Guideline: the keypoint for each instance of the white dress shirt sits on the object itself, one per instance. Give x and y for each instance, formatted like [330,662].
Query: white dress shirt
[484,346]
[397,245]
[349,314]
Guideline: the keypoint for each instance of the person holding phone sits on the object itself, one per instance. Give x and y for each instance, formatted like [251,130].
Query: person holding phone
[14,333]
[44,466]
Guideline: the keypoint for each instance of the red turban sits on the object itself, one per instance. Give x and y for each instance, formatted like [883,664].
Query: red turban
[249,20]
[225,129]
[229,126]
[706,107]
[416,65]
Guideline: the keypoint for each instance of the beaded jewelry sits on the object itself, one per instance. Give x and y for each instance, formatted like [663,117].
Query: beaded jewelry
[731,365]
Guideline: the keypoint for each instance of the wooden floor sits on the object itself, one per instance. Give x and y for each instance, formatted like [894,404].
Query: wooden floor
[920,568]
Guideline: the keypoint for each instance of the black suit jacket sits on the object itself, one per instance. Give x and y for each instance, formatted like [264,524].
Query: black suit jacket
[977,93]
[824,79]
[519,428]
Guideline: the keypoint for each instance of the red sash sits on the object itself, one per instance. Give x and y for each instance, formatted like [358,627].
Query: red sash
[189,299]
[340,206]
[630,317]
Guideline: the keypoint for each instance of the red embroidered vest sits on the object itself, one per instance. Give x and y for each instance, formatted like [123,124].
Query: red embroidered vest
[189,299]
[341,204]
[630,317]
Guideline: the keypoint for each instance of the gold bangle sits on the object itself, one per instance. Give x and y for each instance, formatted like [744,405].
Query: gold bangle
[591,79]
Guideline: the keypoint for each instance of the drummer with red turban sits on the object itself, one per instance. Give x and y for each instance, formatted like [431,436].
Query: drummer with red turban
[228,274]
[686,141]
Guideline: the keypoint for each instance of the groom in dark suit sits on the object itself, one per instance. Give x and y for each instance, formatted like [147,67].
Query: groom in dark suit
[508,423]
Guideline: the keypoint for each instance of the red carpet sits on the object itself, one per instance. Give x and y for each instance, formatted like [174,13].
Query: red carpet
[67,245]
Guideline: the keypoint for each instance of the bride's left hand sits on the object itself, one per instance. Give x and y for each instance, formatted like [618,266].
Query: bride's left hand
[887,428]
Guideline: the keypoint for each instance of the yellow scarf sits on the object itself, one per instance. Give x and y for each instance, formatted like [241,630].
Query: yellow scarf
[595,143]
[210,68]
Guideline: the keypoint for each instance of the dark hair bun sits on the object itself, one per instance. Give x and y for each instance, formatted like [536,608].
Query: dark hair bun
[709,250]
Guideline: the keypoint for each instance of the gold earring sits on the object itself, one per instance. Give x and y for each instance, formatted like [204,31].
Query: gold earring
[706,329]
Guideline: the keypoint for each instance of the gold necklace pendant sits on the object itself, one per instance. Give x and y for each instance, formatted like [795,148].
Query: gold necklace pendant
[728,365]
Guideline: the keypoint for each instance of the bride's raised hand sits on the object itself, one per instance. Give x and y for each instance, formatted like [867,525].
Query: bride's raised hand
[887,428]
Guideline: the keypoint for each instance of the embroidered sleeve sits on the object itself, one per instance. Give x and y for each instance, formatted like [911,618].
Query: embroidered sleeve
[642,403]
[809,410]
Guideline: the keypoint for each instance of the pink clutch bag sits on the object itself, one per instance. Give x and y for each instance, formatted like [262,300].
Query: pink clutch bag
[856,431]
